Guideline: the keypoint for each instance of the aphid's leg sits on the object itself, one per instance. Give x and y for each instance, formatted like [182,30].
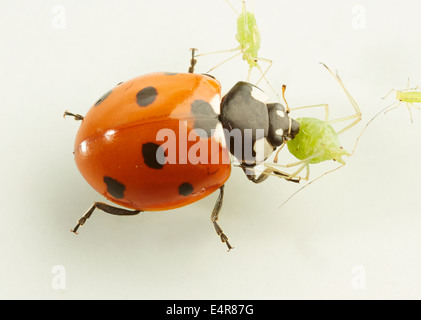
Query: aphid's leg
[345,119]
[357,115]
[225,61]
[414,106]
[392,106]
[302,163]
[410,112]
[106,208]
[249,73]
[218,52]
[76,116]
[324,105]
[215,217]
[263,75]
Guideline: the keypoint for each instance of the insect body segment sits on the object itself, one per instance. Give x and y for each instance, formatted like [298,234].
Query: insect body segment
[138,144]
[409,96]
[248,36]
[255,128]
[317,140]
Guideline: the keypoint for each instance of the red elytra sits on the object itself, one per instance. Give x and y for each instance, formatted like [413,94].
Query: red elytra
[116,145]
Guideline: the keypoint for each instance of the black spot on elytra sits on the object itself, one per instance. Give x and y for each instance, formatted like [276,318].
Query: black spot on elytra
[153,155]
[146,96]
[114,188]
[104,96]
[206,118]
[185,189]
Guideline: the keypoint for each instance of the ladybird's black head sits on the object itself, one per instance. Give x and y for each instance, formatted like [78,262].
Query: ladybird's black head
[255,128]
[281,127]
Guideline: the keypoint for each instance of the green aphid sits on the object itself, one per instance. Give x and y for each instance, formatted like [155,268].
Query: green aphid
[316,141]
[409,96]
[248,37]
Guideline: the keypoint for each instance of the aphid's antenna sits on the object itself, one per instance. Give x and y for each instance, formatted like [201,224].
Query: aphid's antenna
[368,123]
[309,184]
[390,91]
[232,7]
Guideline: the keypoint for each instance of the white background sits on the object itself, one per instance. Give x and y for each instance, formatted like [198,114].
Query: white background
[366,214]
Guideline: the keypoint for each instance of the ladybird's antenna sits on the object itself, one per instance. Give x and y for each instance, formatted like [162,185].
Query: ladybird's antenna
[284,88]
[289,198]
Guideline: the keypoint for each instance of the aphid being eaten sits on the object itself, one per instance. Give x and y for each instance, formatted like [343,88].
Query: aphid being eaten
[317,140]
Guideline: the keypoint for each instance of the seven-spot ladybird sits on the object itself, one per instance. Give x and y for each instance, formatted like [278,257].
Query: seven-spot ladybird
[163,140]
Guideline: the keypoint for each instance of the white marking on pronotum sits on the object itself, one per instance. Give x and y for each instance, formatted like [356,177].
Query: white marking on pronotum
[259,95]
[279,132]
[263,149]
[280,113]
[216,103]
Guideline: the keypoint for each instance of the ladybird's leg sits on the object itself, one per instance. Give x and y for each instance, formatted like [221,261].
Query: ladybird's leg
[76,116]
[275,159]
[193,60]
[268,171]
[106,208]
[215,217]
